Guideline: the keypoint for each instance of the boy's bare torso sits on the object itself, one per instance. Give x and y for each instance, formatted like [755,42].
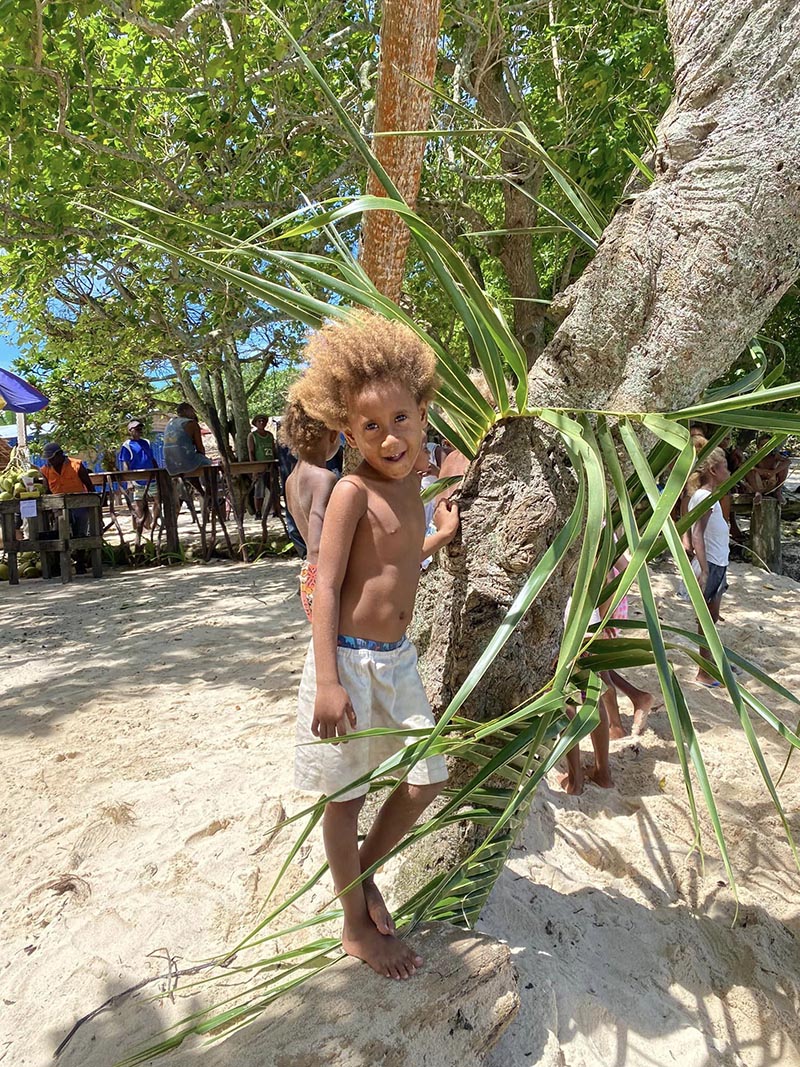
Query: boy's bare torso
[380,583]
[308,488]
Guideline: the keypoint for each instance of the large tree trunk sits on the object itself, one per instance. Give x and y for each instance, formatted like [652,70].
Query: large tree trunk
[514,248]
[409,34]
[686,273]
[237,399]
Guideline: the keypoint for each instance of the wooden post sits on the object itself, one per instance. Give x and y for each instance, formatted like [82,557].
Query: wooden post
[169,510]
[64,534]
[765,534]
[96,530]
[10,544]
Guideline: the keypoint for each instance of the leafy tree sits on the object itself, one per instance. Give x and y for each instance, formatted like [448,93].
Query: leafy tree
[270,393]
[590,81]
[200,110]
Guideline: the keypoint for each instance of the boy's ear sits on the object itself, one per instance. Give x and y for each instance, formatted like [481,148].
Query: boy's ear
[423,412]
[349,437]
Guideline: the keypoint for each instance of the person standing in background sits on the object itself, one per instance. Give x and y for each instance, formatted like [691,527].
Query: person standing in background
[136,454]
[261,449]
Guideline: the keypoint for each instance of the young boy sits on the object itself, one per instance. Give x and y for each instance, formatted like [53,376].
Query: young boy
[309,486]
[372,379]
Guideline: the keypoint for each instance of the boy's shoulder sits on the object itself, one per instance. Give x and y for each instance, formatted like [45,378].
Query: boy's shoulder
[352,485]
[315,475]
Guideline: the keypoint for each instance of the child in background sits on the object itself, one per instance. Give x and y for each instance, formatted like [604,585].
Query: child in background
[711,541]
[641,699]
[600,773]
[373,380]
[428,473]
[309,486]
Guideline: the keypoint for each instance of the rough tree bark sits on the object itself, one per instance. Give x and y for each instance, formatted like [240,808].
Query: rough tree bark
[686,273]
[237,399]
[409,36]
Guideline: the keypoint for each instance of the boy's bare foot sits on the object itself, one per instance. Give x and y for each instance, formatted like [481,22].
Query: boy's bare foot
[641,711]
[376,906]
[601,778]
[387,956]
[572,784]
[616,732]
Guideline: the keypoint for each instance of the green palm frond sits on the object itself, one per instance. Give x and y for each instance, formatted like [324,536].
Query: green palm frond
[512,752]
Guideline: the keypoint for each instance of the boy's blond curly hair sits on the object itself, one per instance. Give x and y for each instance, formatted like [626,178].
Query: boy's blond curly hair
[345,357]
[298,430]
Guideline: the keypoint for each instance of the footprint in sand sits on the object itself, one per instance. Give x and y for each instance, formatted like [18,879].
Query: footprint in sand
[212,828]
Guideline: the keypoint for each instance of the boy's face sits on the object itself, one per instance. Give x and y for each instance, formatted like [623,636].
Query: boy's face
[386,425]
[260,425]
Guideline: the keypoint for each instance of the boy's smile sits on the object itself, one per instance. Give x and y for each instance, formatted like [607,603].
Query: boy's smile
[386,425]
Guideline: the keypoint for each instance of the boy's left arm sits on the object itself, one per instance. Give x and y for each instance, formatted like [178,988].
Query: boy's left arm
[446,520]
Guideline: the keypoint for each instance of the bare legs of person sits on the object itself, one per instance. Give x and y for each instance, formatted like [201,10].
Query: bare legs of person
[641,699]
[368,930]
[599,772]
[572,781]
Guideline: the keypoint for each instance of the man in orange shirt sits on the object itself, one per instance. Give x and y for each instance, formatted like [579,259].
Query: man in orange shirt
[65,475]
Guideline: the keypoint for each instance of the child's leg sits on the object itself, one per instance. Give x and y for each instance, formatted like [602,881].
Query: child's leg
[386,955]
[641,699]
[572,781]
[615,728]
[600,773]
[392,823]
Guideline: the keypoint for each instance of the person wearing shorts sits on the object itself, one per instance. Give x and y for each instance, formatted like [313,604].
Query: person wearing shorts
[370,379]
[384,687]
[711,542]
[137,455]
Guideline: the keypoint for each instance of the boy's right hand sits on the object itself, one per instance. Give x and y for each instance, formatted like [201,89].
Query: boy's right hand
[332,712]
[446,517]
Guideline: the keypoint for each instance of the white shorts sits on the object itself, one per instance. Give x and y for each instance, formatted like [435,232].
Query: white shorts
[386,691]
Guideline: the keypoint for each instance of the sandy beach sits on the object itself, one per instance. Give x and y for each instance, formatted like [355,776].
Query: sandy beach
[147,726]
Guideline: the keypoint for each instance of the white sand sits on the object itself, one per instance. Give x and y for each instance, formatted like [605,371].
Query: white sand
[147,723]
[625,948]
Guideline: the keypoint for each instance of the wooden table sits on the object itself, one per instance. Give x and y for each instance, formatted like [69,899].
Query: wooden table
[53,510]
[212,514]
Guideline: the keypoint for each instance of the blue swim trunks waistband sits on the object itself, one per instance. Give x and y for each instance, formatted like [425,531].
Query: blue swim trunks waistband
[371,646]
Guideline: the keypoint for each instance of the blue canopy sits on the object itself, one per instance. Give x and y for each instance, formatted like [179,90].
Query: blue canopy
[18,395]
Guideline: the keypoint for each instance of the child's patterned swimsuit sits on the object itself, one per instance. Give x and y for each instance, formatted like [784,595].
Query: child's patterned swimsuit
[308,581]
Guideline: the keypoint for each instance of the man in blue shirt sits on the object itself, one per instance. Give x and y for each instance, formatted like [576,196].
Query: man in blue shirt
[137,455]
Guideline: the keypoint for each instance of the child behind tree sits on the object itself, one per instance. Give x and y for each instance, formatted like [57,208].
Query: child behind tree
[309,486]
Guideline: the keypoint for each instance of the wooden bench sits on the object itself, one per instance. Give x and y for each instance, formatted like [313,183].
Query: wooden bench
[52,516]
